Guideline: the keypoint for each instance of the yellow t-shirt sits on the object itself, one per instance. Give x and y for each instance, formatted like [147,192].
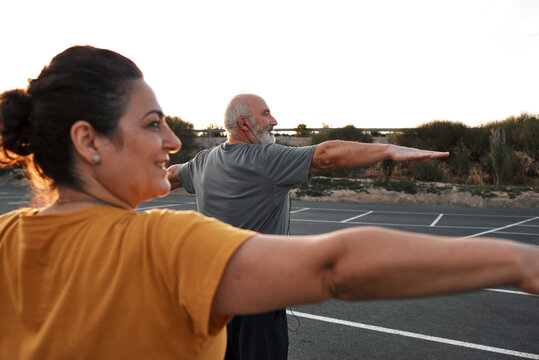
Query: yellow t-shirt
[107,283]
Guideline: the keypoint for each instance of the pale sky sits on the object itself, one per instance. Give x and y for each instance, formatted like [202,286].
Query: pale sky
[371,63]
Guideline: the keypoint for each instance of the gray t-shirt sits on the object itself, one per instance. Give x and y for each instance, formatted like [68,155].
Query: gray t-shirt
[247,185]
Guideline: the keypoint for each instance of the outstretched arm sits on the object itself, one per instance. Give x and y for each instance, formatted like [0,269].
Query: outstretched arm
[338,154]
[269,272]
[172,175]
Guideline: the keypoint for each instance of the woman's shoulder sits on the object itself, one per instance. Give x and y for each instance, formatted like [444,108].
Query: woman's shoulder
[15,215]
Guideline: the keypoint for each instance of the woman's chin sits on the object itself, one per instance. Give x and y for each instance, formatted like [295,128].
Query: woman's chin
[164,189]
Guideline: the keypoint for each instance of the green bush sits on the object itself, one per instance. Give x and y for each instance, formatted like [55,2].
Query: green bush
[499,153]
[406,186]
[435,135]
[460,159]
[522,133]
[388,166]
[349,132]
[426,171]
[302,130]
[323,186]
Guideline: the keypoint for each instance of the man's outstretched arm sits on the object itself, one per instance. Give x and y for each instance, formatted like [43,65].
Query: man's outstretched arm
[337,154]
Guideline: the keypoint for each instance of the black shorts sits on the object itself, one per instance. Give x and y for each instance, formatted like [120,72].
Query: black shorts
[258,337]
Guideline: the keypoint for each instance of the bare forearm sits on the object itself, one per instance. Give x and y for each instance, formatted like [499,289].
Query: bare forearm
[338,154]
[400,265]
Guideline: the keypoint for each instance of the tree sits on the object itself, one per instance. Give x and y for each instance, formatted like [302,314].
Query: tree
[183,130]
[349,132]
[302,130]
[499,153]
[215,130]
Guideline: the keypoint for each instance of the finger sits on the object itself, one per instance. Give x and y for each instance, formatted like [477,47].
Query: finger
[440,154]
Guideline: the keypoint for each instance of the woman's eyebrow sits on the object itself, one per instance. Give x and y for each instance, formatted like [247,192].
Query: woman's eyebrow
[154,111]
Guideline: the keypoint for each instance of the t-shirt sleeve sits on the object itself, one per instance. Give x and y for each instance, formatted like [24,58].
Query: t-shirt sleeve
[287,165]
[185,174]
[197,254]
[188,171]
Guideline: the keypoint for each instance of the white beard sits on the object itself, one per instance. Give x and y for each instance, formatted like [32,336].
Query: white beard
[263,135]
[266,138]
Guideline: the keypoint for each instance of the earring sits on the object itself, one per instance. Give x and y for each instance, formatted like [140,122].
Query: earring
[96,159]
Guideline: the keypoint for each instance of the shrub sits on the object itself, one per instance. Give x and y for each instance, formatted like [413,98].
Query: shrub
[426,171]
[350,133]
[302,130]
[499,153]
[460,158]
[435,135]
[388,166]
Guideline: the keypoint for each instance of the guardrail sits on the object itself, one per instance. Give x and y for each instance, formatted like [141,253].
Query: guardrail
[276,130]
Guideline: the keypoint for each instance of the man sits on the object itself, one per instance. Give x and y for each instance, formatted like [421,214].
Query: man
[245,182]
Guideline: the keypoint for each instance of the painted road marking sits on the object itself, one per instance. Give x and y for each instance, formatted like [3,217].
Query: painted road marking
[500,228]
[416,213]
[437,219]
[407,225]
[511,292]
[389,224]
[416,335]
[356,217]
[516,233]
[300,210]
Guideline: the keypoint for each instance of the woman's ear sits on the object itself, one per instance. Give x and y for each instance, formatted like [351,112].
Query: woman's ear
[83,137]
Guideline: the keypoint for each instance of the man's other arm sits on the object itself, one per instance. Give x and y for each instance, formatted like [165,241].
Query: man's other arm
[338,154]
[172,175]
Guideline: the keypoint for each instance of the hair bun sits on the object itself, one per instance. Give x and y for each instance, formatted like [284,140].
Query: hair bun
[15,122]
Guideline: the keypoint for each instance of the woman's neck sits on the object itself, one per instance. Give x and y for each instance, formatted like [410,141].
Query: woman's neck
[71,200]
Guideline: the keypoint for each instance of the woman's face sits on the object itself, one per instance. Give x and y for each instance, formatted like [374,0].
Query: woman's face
[133,165]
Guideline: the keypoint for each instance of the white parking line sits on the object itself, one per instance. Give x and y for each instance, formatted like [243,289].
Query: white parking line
[356,217]
[388,224]
[511,292]
[297,211]
[416,335]
[410,225]
[437,219]
[500,228]
[516,233]
[418,213]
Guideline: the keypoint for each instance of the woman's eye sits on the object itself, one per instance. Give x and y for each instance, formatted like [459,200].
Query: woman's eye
[155,125]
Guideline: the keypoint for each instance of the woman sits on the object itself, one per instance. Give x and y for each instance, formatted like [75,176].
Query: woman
[83,275]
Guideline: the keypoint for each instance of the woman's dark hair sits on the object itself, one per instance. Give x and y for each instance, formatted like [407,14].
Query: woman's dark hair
[81,83]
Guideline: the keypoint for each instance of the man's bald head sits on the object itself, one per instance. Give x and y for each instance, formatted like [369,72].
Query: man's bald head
[239,106]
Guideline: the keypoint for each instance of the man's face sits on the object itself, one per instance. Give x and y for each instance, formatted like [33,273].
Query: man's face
[263,135]
[262,121]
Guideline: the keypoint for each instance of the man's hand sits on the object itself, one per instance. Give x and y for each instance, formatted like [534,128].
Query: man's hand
[172,176]
[401,153]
